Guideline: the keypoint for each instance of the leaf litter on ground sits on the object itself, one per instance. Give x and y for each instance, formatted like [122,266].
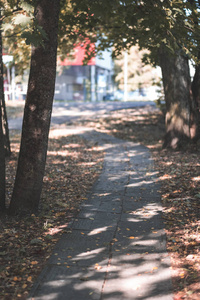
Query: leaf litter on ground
[179,178]
[72,167]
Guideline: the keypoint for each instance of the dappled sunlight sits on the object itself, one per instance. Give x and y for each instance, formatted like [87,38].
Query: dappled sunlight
[196,178]
[116,242]
[121,254]
[28,242]
[88,254]
[98,230]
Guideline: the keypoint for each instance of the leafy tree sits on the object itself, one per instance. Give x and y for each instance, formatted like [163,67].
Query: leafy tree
[7,8]
[169,30]
[166,32]
[37,113]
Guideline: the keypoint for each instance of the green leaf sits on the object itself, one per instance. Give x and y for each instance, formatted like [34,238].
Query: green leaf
[21,19]
[26,6]
[42,31]
[7,26]
[27,36]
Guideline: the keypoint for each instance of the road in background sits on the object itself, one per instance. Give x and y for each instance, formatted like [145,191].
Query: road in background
[68,112]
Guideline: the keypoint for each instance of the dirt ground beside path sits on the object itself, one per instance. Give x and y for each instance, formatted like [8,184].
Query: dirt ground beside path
[72,167]
[179,176]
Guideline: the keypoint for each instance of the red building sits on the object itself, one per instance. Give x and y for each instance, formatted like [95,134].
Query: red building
[90,82]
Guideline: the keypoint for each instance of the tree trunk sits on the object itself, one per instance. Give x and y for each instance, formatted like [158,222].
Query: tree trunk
[180,124]
[196,97]
[2,152]
[37,113]
[2,168]
[5,128]
[3,106]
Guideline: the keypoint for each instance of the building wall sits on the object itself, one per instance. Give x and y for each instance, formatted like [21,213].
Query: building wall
[85,83]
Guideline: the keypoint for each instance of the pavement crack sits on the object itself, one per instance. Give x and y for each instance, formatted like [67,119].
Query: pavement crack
[114,235]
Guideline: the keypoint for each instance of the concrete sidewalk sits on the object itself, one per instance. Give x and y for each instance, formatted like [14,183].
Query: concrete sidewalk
[115,248]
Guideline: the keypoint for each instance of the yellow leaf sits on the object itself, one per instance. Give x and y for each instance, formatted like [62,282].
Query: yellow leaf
[15,278]
[34,262]
[97,267]
[131,237]
[29,279]
[24,285]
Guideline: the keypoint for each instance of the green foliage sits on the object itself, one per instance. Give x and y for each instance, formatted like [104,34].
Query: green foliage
[117,24]
[20,30]
[122,24]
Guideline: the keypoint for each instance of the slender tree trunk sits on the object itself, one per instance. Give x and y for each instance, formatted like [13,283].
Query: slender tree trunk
[196,86]
[2,151]
[37,113]
[5,128]
[2,169]
[180,124]
[3,106]
[196,97]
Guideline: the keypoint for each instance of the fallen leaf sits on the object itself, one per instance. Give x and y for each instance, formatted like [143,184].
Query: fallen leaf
[29,279]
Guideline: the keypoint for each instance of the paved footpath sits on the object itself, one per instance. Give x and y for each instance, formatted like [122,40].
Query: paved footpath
[115,248]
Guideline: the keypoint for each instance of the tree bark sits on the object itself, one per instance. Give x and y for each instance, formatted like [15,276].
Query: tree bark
[181,126]
[196,97]
[2,151]
[37,113]
[2,169]
[5,128]
[3,105]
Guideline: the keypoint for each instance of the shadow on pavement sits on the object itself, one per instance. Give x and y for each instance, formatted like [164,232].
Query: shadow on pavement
[115,248]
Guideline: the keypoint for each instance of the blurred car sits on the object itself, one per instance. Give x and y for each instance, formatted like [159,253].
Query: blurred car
[109,97]
[119,95]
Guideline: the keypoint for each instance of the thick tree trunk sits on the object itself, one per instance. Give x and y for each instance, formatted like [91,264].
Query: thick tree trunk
[180,123]
[2,151]
[37,113]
